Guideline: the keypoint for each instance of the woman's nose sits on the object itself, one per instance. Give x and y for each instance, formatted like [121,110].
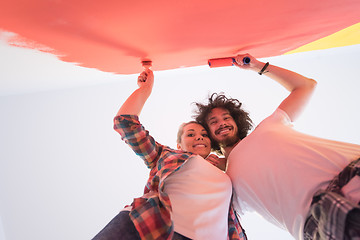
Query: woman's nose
[199,138]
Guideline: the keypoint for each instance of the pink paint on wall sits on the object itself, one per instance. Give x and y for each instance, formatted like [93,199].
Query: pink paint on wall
[114,36]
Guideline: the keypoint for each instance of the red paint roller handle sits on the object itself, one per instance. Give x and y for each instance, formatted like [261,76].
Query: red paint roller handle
[223,62]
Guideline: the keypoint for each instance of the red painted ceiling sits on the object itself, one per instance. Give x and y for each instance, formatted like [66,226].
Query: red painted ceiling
[114,36]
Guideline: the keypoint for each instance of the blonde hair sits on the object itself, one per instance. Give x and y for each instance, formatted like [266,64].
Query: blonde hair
[181,130]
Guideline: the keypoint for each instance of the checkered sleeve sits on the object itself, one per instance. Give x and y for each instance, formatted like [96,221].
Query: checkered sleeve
[135,135]
[213,159]
[236,231]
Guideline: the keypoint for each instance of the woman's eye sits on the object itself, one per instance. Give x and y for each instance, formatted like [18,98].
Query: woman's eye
[205,135]
[190,135]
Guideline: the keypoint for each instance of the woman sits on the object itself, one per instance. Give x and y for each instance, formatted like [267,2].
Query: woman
[186,196]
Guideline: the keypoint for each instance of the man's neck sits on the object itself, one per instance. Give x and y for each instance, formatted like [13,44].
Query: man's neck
[226,150]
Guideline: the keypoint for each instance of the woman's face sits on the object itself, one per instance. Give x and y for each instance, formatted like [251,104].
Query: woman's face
[195,139]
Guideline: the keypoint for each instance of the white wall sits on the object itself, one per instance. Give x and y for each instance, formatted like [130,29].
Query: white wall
[2,234]
[64,172]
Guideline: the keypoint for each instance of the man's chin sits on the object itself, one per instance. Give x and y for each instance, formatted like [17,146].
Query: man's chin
[229,141]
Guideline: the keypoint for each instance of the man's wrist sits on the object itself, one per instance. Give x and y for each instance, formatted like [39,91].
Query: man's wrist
[264,69]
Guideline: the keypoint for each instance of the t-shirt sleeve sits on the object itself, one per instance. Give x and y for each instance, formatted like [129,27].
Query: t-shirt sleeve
[279,116]
[283,116]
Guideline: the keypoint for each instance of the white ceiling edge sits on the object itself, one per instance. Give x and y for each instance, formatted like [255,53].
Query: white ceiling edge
[24,70]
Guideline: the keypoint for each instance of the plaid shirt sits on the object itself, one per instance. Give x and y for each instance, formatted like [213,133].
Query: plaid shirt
[329,209]
[152,215]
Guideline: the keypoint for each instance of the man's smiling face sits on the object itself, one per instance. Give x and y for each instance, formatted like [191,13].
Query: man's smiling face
[222,126]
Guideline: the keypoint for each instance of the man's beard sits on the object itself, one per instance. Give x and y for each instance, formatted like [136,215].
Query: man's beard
[229,141]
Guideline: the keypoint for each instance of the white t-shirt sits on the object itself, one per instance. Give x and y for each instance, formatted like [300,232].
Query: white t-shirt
[200,196]
[276,171]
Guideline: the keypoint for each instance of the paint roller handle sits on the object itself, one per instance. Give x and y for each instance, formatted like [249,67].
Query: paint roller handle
[228,61]
[146,79]
[144,75]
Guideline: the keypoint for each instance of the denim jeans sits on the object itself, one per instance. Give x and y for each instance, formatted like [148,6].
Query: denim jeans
[122,228]
[119,228]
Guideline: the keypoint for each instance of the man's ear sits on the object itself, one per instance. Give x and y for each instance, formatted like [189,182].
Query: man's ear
[178,146]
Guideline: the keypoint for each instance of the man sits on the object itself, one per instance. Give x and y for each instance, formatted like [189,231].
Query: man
[283,174]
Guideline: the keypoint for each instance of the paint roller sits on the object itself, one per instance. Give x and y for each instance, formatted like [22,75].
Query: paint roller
[224,62]
[146,65]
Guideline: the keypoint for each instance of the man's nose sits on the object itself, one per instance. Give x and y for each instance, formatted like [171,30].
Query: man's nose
[222,123]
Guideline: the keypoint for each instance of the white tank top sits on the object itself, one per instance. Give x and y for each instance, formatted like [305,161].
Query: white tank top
[200,195]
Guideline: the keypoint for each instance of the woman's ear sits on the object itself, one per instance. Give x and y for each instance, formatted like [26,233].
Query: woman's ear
[178,146]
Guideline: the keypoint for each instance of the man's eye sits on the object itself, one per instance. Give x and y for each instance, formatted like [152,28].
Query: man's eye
[212,123]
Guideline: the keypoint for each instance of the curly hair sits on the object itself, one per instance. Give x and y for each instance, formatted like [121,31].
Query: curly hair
[241,117]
